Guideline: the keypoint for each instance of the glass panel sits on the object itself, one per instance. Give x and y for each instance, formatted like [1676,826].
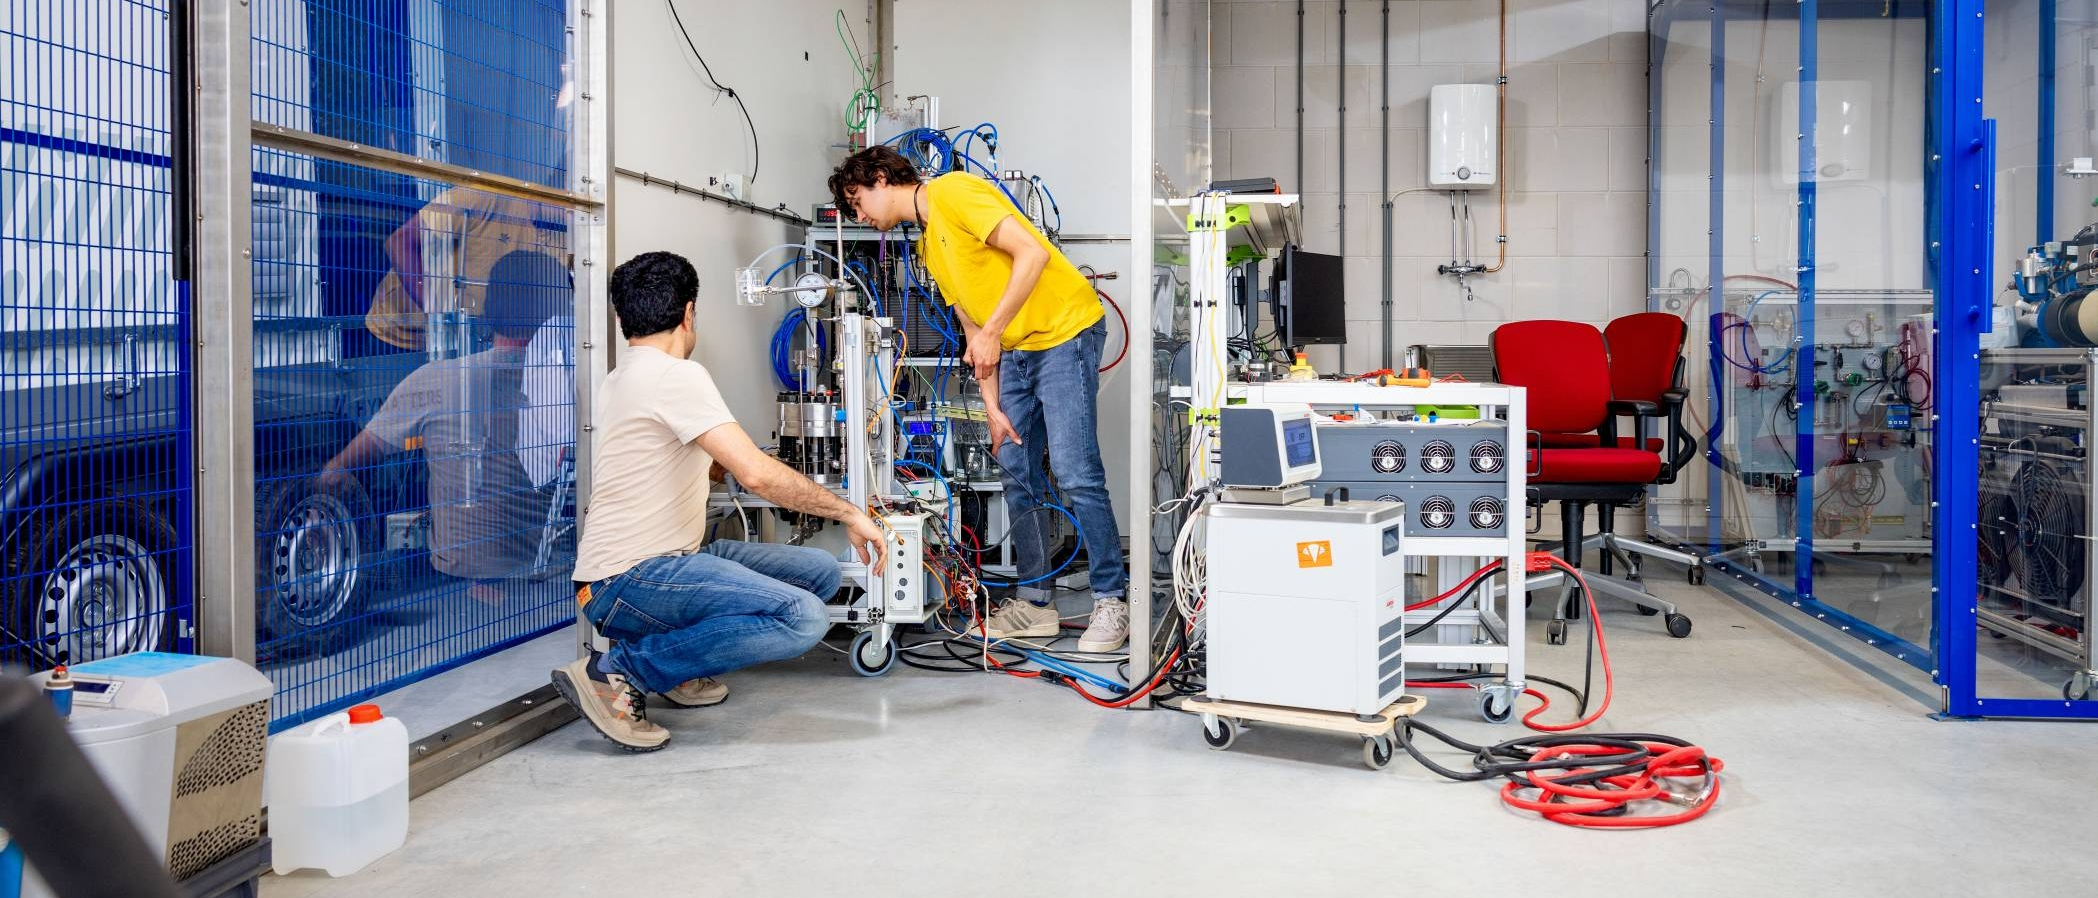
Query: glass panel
[1682,262]
[414,415]
[1812,358]
[94,361]
[2034,560]
[482,84]
[1183,164]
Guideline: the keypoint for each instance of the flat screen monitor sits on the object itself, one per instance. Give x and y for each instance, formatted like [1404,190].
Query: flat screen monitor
[1313,302]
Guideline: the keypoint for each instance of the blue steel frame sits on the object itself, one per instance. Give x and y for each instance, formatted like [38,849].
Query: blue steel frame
[1960,204]
[1966,142]
[2045,148]
[1660,16]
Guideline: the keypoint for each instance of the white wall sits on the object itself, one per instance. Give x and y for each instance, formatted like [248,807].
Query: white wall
[1576,149]
[783,57]
[1054,78]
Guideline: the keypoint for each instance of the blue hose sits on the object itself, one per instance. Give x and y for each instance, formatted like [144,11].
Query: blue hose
[783,346]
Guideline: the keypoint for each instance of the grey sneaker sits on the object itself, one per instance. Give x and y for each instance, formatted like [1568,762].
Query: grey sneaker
[697,693]
[612,704]
[1109,628]
[1022,619]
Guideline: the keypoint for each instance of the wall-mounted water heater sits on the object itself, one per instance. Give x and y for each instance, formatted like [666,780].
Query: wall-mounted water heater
[1461,123]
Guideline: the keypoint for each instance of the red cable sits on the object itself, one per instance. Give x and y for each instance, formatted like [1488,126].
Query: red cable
[1458,589]
[1125,330]
[1599,807]
[1602,808]
[1133,697]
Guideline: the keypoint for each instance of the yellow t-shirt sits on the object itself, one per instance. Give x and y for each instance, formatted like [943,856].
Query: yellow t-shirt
[463,233]
[961,210]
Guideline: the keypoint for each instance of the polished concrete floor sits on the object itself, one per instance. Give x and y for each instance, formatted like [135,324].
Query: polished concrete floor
[811,781]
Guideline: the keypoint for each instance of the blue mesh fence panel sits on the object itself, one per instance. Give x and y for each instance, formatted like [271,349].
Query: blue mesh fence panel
[95,494]
[476,83]
[415,434]
[414,408]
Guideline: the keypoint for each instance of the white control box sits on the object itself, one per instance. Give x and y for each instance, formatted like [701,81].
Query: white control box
[1463,126]
[1306,604]
[900,582]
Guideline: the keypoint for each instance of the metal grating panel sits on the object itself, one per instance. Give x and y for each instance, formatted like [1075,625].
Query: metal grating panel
[482,84]
[95,496]
[415,435]
[414,403]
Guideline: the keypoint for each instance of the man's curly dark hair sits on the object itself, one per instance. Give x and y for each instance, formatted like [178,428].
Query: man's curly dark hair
[859,169]
[650,292]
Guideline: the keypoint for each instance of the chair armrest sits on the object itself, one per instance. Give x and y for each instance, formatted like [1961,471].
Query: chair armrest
[1635,408]
[1675,397]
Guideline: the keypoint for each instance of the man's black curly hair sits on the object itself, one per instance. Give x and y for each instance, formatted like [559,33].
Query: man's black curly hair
[859,169]
[650,292]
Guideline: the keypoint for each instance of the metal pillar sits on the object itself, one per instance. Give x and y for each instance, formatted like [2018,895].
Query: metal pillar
[222,319]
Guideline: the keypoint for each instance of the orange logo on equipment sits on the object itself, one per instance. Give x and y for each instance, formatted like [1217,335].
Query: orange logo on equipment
[1315,554]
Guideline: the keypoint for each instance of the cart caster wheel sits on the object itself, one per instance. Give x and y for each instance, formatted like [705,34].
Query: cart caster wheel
[1555,632]
[1376,752]
[1493,709]
[1647,612]
[2077,689]
[1696,575]
[1678,626]
[868,659]
[1218,732]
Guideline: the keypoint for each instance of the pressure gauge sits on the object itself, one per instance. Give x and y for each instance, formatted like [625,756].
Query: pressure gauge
[1871,361]
[811,290]
[1856,329]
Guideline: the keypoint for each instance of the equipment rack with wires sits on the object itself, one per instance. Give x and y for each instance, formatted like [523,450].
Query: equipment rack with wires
[1496,700]
[2037,567]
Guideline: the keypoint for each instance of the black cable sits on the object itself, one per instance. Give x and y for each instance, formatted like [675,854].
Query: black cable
[1469,591]
[909,655]
[1511,758]
[720,87]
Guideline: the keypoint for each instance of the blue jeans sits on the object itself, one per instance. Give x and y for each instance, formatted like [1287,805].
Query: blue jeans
[728,606]
[1051,396]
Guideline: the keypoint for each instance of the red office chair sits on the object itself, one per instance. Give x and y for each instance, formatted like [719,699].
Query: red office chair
[1646,385]
[1565,368]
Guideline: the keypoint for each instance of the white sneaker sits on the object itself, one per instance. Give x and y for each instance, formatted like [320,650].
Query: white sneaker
[1022,619]
[1109,628]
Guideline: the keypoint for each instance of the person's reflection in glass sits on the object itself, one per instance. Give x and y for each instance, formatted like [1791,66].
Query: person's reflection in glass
[466,415]
[439,261]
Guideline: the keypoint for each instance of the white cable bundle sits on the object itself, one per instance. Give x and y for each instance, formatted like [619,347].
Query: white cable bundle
[1208,245]
[1191,571]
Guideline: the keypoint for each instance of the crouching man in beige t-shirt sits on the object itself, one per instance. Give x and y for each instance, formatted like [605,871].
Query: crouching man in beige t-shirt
[680,609]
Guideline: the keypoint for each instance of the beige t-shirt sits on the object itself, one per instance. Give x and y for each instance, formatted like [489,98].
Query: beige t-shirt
[648,482]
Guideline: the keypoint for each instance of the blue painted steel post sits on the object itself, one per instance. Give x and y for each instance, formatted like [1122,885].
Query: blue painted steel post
[1959,152]
[2045,155]
[1803,392]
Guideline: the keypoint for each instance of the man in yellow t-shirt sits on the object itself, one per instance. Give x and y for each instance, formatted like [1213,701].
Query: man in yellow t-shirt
[1035,329]
[476,228]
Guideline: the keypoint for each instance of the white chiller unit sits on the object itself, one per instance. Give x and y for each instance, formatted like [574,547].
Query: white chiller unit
[180,741]
[1306,605]
[1462,150]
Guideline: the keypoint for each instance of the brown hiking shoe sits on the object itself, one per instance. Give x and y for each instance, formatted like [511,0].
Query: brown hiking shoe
[698,693]
[611,703]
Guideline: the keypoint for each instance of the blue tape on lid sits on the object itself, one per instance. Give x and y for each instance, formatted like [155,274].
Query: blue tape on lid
[143,664]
